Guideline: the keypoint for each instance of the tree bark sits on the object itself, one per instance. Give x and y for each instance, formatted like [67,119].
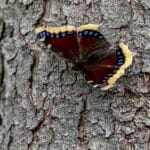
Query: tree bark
[46,105]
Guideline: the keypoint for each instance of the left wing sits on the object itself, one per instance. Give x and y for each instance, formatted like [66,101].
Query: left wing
[63,40]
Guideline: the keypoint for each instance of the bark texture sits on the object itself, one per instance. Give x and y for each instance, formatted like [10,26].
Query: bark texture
[45,105]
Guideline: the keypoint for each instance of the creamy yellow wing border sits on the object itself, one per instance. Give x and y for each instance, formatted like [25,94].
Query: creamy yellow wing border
[128,61]
[68,28]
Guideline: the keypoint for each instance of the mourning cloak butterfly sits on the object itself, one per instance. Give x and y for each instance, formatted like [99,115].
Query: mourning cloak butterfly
[88,49]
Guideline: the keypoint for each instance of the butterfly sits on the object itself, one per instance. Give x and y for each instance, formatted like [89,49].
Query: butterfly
[89,50]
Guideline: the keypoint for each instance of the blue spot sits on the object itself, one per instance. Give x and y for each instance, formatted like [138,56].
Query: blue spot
[104,81]
[42,34]
[110,74]
[116,67]
[119,63]
[90,33]
[57,35]
[80,34]
[70,33]
[96,34]
[52,35]
[48,34]
[85,32]
[100,37]
[63,34]
[106,78]
[118,52]
[120,57]
[120,60]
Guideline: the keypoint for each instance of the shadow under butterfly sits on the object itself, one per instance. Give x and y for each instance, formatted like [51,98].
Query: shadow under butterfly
[88,49]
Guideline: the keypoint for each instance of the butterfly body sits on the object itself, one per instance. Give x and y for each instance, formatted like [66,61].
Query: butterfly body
[87,48]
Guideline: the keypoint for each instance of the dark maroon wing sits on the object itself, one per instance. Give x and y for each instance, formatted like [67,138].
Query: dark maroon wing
[101,71]
[64,43]
[91,41]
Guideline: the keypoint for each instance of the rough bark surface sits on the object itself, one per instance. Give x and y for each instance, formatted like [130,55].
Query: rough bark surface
[45,105]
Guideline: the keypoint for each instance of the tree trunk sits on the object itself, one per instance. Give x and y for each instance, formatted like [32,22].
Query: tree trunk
[46,105]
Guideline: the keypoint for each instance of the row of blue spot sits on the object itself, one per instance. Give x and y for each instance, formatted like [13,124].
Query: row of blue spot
[120,57]
[46,34]
[86,33]
[91,33]
[120,61]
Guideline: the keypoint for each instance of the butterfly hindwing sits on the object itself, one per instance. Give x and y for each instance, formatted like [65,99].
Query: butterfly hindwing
[105,72]
[99,72]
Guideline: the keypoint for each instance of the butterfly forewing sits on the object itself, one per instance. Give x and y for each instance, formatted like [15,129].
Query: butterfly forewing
[91,40]
[63,40]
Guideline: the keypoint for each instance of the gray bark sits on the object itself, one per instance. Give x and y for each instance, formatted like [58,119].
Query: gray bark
[45,105]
